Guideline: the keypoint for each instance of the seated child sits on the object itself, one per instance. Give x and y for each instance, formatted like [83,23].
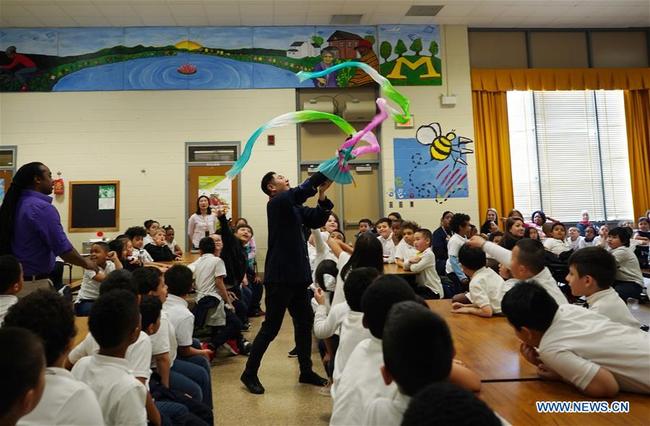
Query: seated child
[629,277]
[136,234]
[361,381]
[152,227]
[424,264]
[591,274]
[365,225]
[413,369]
[444,403]
[107,261]
[589,239]
[158,248]
[643,232]
[11,282]
[23,381]
[601,239]
[171,242]
[121,245]
[485,286]
[115,324]
[574,344]
[66,401]
[385,237]
[575,240]
[532,233]
[405,250]
[396,230]
[556,242]
[460,226]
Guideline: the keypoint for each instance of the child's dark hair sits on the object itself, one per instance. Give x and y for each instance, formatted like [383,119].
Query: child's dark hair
[135,231]
[493,235]
[528,305]
[102,245]
[356,283]
[266,180]
[458,220]
[426,233]
[206,245]
[596,262]
[120,279]
[531,254]
[245,226]
[168,228]
[150,308]
[528,231]
[379,297]
[445,404]
[22,362]
[408,224]
[179,280]
[384,220]
[10,272]
[540,213]
[146,279]
[49,316]
[559,224]
[396,214]
[149,222]
[113,317]
[471,257]
[366,220]
[327,266]
[623,233]
[340,233]
[117,245]
[406,323]
[368,251]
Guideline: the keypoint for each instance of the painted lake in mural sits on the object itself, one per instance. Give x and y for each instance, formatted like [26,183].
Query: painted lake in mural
[162,73]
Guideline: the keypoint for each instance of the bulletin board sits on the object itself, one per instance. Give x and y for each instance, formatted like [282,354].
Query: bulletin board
[94,206]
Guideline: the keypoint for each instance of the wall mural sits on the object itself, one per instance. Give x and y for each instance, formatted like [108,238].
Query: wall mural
[432,165]
[196,58]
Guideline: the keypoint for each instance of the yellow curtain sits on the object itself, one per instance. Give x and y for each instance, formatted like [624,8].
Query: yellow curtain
[492,147]
[637,117]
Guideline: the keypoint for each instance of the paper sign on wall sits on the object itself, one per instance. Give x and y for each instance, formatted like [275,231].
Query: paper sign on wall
[218,189]
[106,199]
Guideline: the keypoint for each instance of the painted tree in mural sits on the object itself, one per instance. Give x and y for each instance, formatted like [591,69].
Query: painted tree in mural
[416,46]
[433,48]
[385,50]
[317,41]
[400,48]
[370,38]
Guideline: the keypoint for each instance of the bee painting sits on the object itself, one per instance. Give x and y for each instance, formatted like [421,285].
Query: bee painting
[443,146]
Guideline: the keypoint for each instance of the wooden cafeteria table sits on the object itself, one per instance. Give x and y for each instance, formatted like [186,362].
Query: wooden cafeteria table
[515,401]
[487,345]
[394,269]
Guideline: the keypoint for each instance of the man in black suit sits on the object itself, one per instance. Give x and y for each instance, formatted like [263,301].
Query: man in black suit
[287,274]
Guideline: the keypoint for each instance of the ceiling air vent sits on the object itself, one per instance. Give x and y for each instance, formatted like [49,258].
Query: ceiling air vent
[422,10]
[346,19]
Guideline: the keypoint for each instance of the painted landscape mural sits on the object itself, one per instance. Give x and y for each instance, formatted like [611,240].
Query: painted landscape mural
[197,58]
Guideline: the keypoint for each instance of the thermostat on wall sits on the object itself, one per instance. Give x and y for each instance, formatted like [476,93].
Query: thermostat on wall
[449,100]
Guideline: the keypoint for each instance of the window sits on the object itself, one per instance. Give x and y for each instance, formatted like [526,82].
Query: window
[569,153]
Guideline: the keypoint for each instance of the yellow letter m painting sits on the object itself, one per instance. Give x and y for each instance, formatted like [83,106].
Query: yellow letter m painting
[396,73]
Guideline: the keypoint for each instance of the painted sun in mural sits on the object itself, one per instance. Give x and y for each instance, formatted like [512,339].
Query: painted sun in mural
[188,45]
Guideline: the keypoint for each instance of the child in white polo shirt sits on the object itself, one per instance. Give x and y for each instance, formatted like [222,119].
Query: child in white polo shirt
[137,234]
[66,401]
[573,344]
[557,243]
[115,323]
[423,263]
[385,237]
[11,282]
[485,287]
[107,261]
[629,277]
[575,240]
[460,226]
[591,274]
[405,249]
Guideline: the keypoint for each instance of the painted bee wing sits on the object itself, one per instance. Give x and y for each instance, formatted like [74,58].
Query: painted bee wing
[425,135]
[461,140]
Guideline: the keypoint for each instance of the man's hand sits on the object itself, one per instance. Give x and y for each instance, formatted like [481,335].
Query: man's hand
[220,211]
[322,188]
[530,353]
[89,264]
[476,241]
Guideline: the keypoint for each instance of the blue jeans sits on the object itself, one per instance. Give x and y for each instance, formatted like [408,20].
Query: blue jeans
[82,309]
[171,413]
[197,369]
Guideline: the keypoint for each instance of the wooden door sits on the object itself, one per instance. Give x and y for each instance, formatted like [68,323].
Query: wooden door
[6,175]
[212,181]
[361,199]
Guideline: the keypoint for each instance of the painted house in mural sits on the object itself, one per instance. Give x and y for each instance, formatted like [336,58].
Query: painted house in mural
[301,49]
[346,43]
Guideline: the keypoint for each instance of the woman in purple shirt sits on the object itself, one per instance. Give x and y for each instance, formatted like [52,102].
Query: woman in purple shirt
[30,228]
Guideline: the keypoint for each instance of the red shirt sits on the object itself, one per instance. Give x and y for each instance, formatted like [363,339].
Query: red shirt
[22,60]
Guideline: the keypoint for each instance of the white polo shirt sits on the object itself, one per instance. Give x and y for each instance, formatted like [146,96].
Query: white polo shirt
[339,294]
[404,250]
[206,269]
[327,323]
[607,302]
[486,289]
[120,395]
[89,287]
[556,246]
[426,271]
[454,244]
[580,341]
[628,265]
[164,340]
[143,255]
[352,333]
[138,354]
[387,411]
[6,302]
[180,318]
[65,401]
[388,248]
[360,384]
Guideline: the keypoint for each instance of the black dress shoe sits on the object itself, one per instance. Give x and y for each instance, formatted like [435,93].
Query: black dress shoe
[311,378]
[252,383]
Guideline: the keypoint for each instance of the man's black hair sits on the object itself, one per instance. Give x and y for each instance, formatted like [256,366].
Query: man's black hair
[531,255]
[356,283]
[623,233]
[327,266]
[379,297]
[22,361]
[206,245]
[179,280]
[10,272]
[445,404]
[596,262]
[528,305]
[135,231]
[150,308]
[119,279]
[266,180]
[414,368]
[146,279]
[113,317]
[458,220]
[49,316]
[471,258]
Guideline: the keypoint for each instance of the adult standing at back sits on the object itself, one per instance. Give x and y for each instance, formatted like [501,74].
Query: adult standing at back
[287,274]
[202,223]
[30,228]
